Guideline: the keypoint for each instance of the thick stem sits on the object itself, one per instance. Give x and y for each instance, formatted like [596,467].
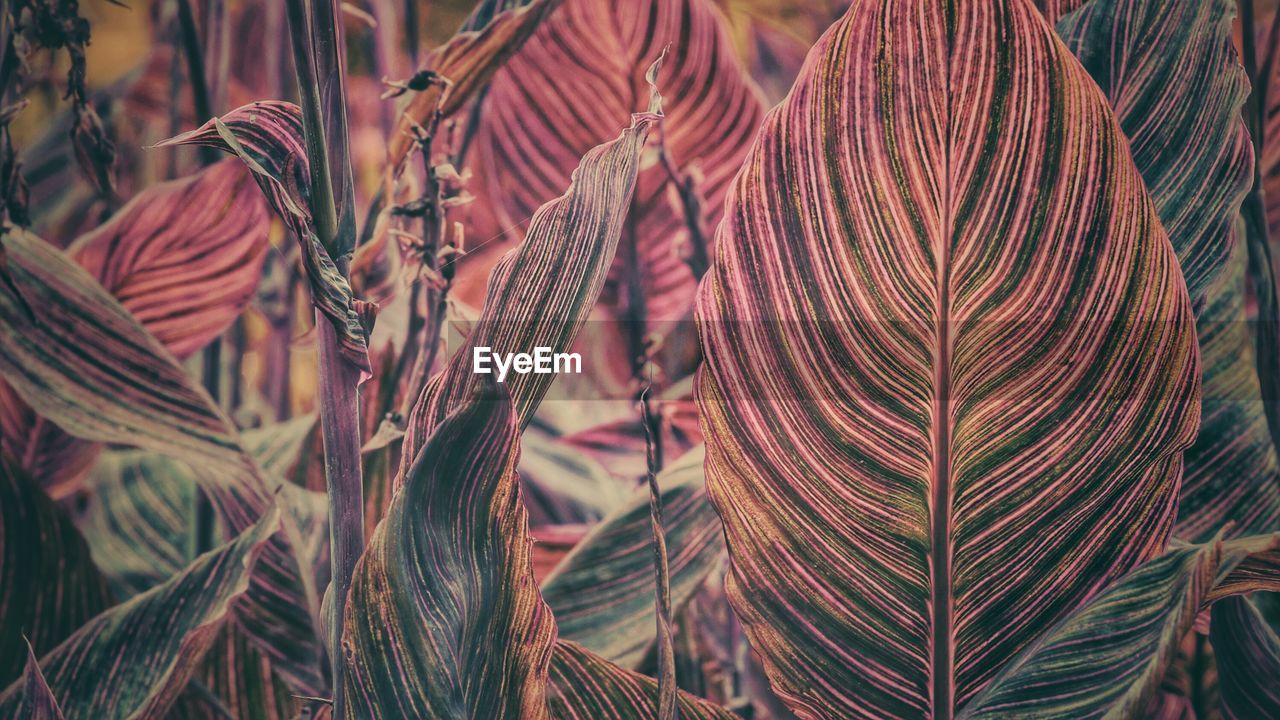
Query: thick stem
[317,47]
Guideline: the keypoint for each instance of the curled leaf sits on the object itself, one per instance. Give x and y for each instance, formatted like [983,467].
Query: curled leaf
[1247,652]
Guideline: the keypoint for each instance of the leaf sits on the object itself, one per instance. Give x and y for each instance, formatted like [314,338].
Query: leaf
[236,680]
[561,485]
[586,687]
[267,137]
[541,293]
[185,269]
[1056,9]
[535,127]
[185,256]
[444,617]
[602,592]
[38,702]
[1171,73]
[133,660]
[1108,657]
[970,354]
[49,585]
[1248,656]
[81,360]
[491,35]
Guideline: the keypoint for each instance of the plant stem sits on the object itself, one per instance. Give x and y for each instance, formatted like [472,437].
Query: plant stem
[667,691]
[316,47]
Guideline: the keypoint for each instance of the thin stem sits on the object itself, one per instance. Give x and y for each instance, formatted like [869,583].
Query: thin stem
[196,72]
[317,47]
[667,690]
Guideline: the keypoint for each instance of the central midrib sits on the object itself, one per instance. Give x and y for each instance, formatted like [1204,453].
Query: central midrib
[942,667]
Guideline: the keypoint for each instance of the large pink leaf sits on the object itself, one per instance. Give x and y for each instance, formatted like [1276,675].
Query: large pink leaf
[575,81]
[969,351]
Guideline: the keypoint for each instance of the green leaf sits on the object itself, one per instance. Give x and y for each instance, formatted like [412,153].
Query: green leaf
[1248,658]
[585,686]
[133,660]
[602,592]
[1107,658]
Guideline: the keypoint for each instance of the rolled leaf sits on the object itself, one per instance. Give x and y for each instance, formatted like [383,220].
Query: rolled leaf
[444,617]
[542,292]
[534,129]
[491,35]
[1248,657]
[267,137]
[602,592]
[1107,658]
[49,585]
[584,686]
[38,702]
[970,353]
[1171,73]
[133,660]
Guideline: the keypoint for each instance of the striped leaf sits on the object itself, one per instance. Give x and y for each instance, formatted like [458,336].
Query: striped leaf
[970,353]
[76,356]
[602,592]
[541,293]
[185,269]
[572,84]
[444,617]
[49,585]
[1248,658]
[491,35]
[38,702]
[235,681]
[1108,657]
[267,137]
[584,686]
[133,660]
[1171,73]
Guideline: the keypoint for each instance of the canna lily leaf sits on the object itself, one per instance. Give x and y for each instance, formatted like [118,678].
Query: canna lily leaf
[1107,658]
[185,256]
[1248,658]
[1171,73]
[49,585]
[542,292]
[495,30]
[1054,10]
[38,702]
[184,269]
[586,687]
[235,681]
[602,592]
[76,356]
[970,353]
[133,660]
[267,137]
[534,129]
[444,617]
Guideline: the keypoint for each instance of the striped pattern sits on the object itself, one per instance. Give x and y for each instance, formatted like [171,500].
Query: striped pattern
[577,79]
[1107,659]
[1247,652]
[444,619]
[239,678]
[76,356]
[185,258]
[133,660]
[267,137]
[586,687]
[48,583]
[1171,73]
[38,702]
[493,33]
[970,351]
[542,291]
[602,592]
